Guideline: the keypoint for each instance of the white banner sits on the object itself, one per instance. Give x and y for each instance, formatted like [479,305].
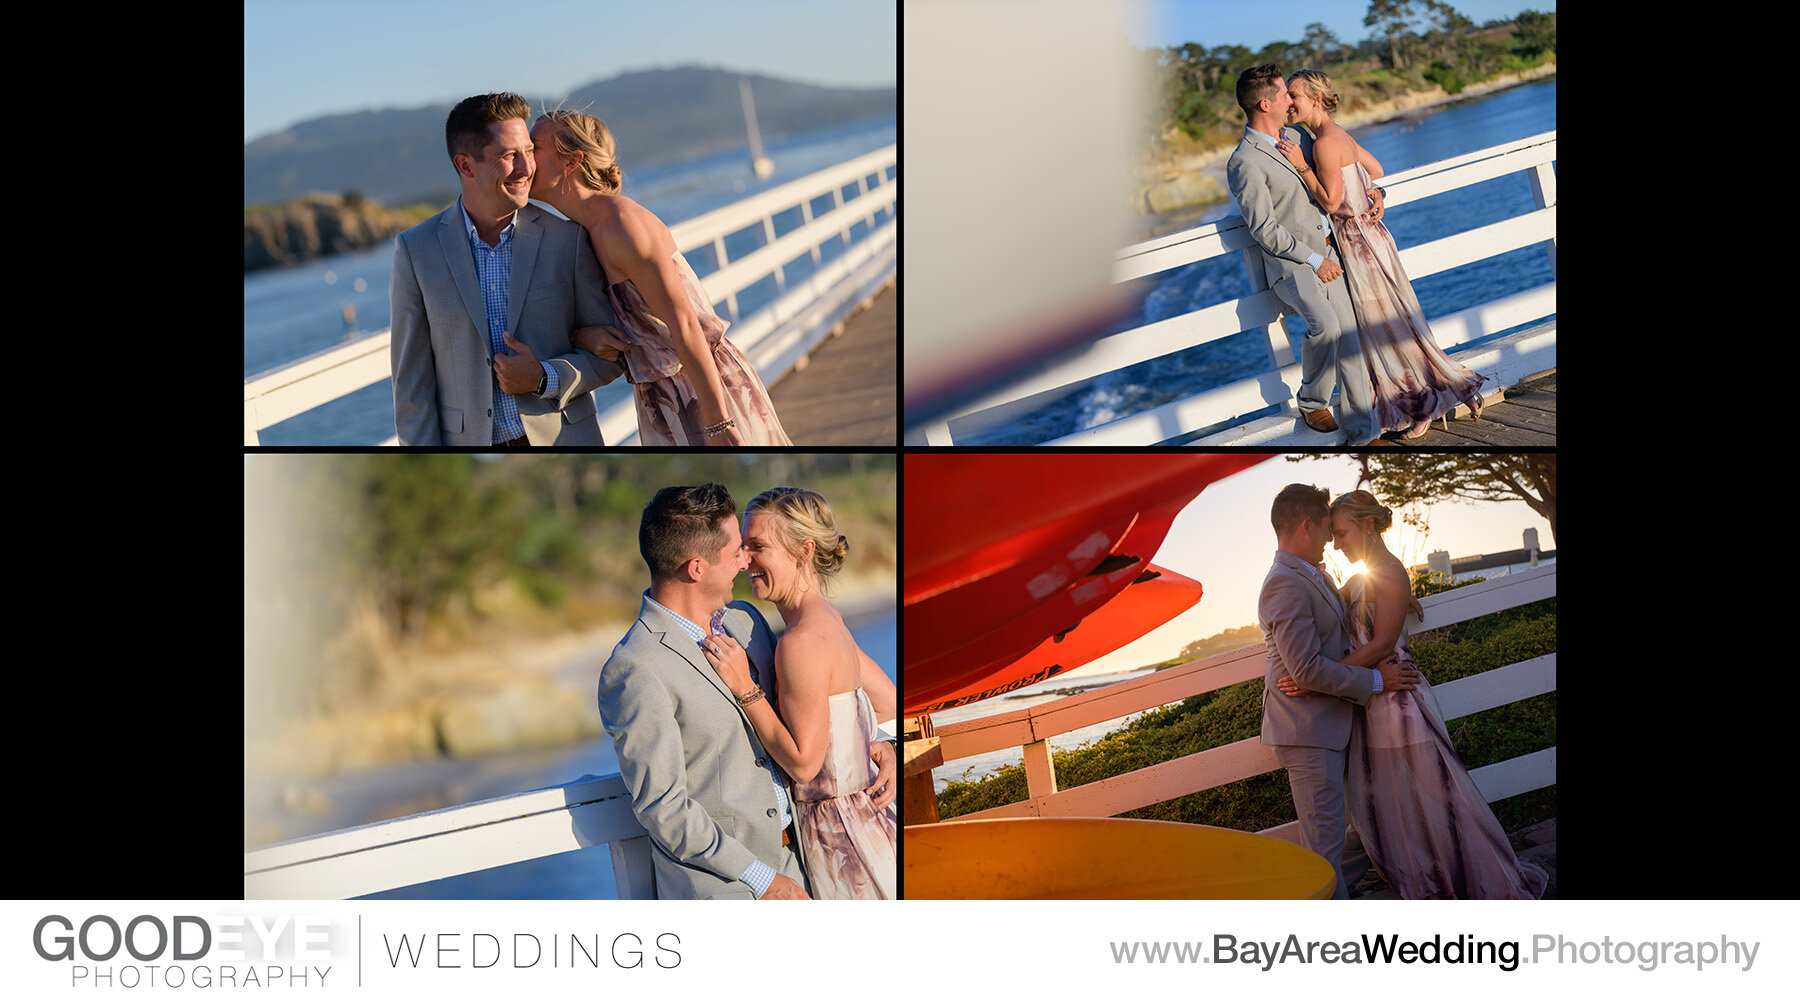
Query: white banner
[447,949]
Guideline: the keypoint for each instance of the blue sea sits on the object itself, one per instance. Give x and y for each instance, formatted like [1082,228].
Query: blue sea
[982,765]
[291,313]
[1421,137]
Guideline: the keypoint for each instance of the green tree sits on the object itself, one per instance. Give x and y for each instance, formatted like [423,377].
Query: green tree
[1319,41]
[1444,25]
[1534,32]
[1223,642]
[1394,18]
[427,535]
[1425,478]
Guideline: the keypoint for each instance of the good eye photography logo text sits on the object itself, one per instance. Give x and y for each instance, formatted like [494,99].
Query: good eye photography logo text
[185,950]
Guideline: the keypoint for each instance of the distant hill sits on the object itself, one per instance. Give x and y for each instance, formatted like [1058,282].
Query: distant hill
[397,156]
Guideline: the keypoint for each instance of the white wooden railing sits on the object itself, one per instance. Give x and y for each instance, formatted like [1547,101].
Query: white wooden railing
[1233,410]
[1032,728]
[831,204]
[377,857]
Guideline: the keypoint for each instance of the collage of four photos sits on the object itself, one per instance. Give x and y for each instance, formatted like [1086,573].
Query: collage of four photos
[635,509]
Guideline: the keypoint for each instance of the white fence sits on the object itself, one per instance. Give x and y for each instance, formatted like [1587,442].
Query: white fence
[378,857]
[829,205]
[1509,360]
[1032,728]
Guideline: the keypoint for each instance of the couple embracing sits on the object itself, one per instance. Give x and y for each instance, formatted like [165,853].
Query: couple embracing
[1355,723]
[755,766]
[1311,204]
[506,318]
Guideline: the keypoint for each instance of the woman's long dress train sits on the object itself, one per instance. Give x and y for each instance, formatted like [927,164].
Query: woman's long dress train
[1412,378]
[1425,824]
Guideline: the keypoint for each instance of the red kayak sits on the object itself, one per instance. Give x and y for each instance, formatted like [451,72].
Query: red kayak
[1005,551]
[1155,597]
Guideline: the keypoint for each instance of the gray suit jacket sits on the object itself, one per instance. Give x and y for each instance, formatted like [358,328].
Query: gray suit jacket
[1303,624]
[1281,216]
[442,363]
[689,755]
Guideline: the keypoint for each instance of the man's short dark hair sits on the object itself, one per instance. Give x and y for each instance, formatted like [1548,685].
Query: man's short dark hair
[682,522]
[1296,503]
[1257,83]
[466,130]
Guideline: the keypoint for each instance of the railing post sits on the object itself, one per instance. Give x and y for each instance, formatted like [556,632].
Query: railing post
[1543,189]
[806,217]
[921,752]
[1275,338]
[633,871]
[1040,771]
[720,259]
[768,225]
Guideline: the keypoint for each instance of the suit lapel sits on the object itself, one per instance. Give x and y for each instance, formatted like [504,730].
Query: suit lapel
[453,238]
[1328,592]
[528,235]
[675,639]
[1275,154]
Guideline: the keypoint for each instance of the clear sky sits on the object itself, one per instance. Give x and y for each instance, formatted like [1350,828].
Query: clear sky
[1223,539]
[1168,23]
[307,60]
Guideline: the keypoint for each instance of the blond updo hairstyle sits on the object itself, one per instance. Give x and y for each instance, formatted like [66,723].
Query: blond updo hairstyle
[803,515]
[577,132]
[1319,86]
[1362,507]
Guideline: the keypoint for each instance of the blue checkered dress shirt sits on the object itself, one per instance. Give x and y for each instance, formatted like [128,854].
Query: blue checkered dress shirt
[493,268]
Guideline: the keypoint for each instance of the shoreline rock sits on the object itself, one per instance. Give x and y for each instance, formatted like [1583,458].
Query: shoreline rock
[316,226]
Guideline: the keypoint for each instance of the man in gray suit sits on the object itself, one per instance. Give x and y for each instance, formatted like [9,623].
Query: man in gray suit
[1307,635]
[714,802]
[484,297]
[1300,261]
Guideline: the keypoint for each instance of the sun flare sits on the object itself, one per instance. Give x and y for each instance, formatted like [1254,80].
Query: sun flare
[1340,567]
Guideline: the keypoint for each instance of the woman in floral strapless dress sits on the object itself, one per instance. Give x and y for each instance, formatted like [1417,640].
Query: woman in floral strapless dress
[692,385]
[1414,381]
[828,697]
[1427,827]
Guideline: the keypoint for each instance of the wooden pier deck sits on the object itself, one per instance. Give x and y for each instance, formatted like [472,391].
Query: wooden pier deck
[1524,417]
[846,392]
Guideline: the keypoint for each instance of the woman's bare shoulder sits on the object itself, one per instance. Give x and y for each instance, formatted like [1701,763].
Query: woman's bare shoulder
[822,644]
[1334,141]
[624,228]
[1389,578]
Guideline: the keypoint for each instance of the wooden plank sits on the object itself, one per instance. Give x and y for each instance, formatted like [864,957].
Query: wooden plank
[846,392]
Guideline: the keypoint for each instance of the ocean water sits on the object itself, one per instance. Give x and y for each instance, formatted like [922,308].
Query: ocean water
[982,765]
[291,313]
[1425,136]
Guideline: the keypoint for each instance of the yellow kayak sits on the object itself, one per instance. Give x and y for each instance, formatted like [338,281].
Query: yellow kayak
[1085,858]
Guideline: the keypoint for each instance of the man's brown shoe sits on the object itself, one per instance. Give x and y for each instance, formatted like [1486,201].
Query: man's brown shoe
[1319,420]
